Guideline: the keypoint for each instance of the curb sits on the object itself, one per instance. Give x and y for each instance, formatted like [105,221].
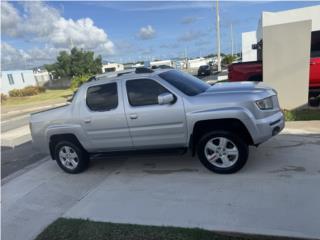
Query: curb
[18,173]
[29,110]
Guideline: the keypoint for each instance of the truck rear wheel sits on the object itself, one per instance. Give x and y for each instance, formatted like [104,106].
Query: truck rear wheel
[71,157]
[222,152]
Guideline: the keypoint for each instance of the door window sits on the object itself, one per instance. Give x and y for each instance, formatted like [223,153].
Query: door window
[142,92]
[102,97]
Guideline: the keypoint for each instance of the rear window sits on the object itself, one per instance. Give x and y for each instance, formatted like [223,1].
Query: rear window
[186,83]
[102,97]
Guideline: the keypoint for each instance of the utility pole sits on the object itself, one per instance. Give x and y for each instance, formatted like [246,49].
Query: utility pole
[231,30]
[218,36]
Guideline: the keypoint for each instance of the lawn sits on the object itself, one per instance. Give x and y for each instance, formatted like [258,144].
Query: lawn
[76,229]
[302,115]
[48,97]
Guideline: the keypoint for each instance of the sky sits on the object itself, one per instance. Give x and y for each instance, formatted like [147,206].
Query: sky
[33,33]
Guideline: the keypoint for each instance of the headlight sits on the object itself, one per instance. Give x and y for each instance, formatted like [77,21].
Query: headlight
[265,104]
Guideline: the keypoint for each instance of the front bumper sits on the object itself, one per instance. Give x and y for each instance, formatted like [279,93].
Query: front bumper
[269,127]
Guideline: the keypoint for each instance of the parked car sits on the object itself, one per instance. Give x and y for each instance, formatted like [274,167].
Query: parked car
[252,71]
[159,109]
[204,70]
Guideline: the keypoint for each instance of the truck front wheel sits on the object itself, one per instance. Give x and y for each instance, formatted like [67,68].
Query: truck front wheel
[71,157]
[222,152]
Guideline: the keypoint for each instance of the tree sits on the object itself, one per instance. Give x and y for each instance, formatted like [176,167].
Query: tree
[77,63]
[228,59]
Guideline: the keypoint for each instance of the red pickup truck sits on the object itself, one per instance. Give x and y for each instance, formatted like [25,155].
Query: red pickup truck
[252,71]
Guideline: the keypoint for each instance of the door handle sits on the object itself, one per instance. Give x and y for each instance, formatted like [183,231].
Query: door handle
[87,120]
[133,116]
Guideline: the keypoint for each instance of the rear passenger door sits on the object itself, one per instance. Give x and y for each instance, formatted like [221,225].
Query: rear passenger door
[103,118]
[153,125]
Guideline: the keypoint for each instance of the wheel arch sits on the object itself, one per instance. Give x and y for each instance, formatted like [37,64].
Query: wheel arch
[54,139]
[234,125]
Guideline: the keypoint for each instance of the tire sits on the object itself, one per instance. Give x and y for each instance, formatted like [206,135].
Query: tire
[224,160]
[314,101]
[76,153]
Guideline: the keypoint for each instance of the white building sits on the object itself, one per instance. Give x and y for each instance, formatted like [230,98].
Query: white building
[248,40]
[168,62]
[42,76]
[17,79]
[284,41]
[112,67]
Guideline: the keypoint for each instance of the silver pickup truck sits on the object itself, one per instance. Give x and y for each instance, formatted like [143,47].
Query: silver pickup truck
[159,109]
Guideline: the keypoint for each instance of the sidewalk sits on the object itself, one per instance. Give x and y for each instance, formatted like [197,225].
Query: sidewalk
[276,192]
[19,111]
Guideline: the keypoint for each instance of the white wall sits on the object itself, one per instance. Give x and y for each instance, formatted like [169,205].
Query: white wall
[42,77]
[286,58]
[28,76]
[116,66]
[293,15]
[249,54]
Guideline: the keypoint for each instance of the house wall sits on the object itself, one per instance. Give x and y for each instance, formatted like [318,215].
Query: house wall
[293,15]
[29,80]
[249,54]
[286,57]
[115,66]
[42,77]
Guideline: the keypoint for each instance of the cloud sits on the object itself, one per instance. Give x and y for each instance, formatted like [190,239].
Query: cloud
[146,33]
[13,58]
[189,20]
[10,20]
[191,35]
[40,23]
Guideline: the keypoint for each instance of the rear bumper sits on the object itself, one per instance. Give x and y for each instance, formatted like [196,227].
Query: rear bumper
[269,127]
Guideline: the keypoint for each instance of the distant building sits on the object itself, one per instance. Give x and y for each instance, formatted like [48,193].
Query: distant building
[112,67]
[249,53]
[42,76]
[168,62]
[16,79]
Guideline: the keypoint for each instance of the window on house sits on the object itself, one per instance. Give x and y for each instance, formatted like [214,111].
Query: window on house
[22,77]
[10,78]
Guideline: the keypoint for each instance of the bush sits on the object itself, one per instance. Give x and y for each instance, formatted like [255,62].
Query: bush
[228,59]
[78,80]
[4,97]
[27,91]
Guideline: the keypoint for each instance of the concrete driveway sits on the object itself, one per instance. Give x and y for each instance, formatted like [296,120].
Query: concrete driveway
[276,193]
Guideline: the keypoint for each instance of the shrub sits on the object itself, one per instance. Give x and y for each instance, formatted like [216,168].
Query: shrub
[27,91]
[4,97]
[78,80]
[15,93]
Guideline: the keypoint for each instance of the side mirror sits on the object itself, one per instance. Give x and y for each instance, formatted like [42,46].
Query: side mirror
[165,98]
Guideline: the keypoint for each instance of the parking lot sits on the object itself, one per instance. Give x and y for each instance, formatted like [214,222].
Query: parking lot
[276,193]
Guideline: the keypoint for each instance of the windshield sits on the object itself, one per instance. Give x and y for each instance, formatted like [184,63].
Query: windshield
[186,83]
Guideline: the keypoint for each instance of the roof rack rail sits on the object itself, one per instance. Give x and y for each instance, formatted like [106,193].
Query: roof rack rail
[143,70]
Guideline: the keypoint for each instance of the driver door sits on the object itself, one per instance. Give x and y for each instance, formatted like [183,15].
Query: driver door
[153,125]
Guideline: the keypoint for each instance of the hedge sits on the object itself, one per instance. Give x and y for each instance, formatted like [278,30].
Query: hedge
[27,91]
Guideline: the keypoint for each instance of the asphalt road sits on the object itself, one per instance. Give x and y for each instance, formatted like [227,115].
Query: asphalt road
[18,156]
[14,159]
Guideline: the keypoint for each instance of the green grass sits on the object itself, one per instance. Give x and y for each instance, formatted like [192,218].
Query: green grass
[50,96]
[302,115]
[76,229]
